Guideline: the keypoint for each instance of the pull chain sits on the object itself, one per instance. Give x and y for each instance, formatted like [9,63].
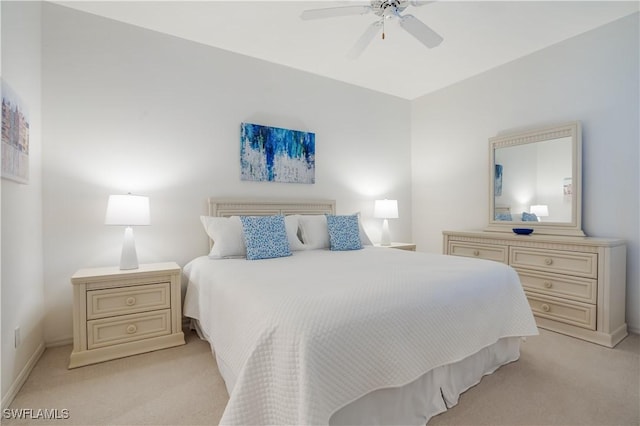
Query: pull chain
[383,28]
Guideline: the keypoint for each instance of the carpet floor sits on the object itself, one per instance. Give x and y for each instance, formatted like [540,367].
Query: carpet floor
[558,380]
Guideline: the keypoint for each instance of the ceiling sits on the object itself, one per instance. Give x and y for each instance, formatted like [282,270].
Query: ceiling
[478,35]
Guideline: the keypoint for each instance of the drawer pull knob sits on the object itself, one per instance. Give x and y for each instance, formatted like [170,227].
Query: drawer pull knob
[546,307]
[548,284]
[476,253]
[131,301]
[132,329]
[548,261]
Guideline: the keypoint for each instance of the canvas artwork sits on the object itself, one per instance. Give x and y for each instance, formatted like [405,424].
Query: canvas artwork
[498,181]
[15,137]
[276,155]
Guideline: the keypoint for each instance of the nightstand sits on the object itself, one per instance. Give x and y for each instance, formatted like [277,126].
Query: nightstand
[400,246]
[117,313]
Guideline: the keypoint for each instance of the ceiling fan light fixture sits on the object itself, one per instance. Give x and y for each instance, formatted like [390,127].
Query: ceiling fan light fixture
[385,9]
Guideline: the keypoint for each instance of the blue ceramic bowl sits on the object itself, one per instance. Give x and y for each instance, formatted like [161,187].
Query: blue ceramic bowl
[522,231]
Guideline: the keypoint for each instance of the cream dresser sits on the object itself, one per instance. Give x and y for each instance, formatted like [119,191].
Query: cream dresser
[575,285]
[117,313]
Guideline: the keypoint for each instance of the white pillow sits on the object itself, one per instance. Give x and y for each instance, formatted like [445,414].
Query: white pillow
[315,233]
[364,238]
[227,236]
[291,223]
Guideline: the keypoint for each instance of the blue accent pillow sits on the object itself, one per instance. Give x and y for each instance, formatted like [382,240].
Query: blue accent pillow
[529,217]
[344,232]
[503,216]
[265,237]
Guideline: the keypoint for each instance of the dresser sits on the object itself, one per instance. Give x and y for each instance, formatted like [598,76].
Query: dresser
[117,313]
[574,285]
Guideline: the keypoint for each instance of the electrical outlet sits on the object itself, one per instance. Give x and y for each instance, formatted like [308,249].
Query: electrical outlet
[16,336]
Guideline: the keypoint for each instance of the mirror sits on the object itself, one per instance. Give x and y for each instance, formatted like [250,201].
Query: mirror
[536,181]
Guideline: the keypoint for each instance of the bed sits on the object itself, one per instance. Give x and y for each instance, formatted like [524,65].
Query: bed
[367,336]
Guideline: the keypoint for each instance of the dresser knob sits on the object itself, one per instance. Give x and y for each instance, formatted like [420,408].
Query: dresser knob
[548,261]
[476,253]
[132,329]
[546,307]
[131,301]
[548,284]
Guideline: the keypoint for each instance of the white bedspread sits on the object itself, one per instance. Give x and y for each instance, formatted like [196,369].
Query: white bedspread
[306,335]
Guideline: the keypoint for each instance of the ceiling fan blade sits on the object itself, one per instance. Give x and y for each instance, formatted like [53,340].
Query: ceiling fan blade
[420,2]
[331,12]
[364,40]
[420,31]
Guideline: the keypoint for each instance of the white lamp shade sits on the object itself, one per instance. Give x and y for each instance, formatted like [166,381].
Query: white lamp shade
[385,209]
[539,210]
[127,210]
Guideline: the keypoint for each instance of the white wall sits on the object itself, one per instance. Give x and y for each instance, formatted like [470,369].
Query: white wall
[592,78]
[22,270]
[128,109]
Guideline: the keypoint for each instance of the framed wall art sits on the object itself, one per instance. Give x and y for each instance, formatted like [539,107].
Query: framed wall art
[15,136]
[274,154]
[497,183]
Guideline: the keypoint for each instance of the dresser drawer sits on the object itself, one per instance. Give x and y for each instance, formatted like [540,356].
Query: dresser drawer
[127,328]
[563,262]
[580,289]
[127,300]
[574,313]
[497,253]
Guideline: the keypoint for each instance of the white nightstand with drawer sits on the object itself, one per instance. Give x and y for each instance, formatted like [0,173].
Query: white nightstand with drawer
[400,246]
[117,313]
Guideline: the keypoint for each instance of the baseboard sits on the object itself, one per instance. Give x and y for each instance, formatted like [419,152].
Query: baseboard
[60,342]
[22,377]
[633,330]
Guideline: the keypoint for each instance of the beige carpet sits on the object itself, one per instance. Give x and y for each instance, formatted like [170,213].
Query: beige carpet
[557,381]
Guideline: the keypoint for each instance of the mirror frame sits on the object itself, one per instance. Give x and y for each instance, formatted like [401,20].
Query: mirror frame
[572,130]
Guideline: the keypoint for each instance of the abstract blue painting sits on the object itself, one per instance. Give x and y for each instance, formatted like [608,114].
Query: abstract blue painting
[277,155]
[497,183]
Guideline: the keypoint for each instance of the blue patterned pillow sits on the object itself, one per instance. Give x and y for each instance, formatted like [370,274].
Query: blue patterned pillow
[265,237]
[503,216]
[344,232]
[529,217]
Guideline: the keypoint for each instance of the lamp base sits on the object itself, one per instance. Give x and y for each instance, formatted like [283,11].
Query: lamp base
[129,257]
[386,237]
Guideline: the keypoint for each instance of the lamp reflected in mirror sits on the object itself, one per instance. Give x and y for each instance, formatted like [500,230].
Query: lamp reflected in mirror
[540,211]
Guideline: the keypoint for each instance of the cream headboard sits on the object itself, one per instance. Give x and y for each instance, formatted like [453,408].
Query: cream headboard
[264,207]
[502,209]
[226,207]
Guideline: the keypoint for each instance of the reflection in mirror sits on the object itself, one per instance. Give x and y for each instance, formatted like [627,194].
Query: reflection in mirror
[536,181]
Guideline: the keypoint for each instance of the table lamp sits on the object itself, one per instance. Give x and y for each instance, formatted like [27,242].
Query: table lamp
[128,210]
[539,210]
[385,209]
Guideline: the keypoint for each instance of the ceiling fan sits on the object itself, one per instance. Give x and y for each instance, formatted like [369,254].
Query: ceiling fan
[385,9]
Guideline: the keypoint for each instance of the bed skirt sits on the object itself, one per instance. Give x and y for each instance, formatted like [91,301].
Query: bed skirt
[429,395]
[415,403]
